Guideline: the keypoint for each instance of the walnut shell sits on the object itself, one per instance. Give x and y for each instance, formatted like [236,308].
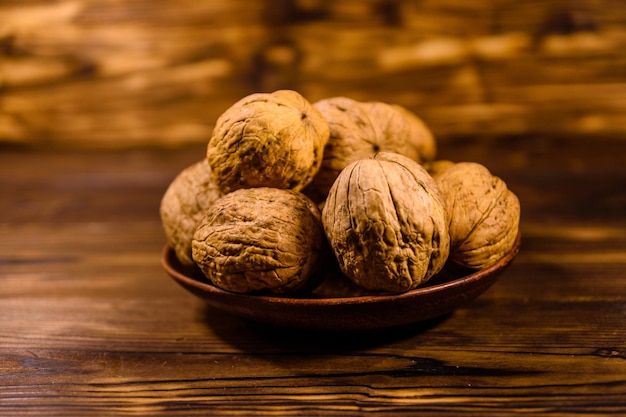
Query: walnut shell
[259,239]
[386,222]
[268,140]
[360,129]
[483,213]
[183,205]
[403,131]
[435,168]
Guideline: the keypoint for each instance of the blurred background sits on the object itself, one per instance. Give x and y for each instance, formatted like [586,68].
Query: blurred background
[131,73]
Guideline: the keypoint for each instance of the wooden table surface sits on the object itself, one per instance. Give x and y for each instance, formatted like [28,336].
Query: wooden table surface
[90,323]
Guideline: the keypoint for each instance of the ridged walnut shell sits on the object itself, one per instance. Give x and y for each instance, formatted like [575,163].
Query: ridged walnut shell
[260,240]
[386,223]
[267,140]
[183,205]
[360,129]
[484,214]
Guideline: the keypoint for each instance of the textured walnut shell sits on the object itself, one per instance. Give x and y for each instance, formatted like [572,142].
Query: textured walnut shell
[259,239]
[267,140]
[360,129]
[402,131]
[386,222]
[483,213]
[183,205]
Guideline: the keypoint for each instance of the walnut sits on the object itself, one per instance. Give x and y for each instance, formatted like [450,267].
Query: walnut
[268,140]
[403,131]
[386,222]
[435,168]
[359,130]
[483,213]
[260,239]
[183,205]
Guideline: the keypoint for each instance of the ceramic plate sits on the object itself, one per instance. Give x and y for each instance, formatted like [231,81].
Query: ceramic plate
[442,294]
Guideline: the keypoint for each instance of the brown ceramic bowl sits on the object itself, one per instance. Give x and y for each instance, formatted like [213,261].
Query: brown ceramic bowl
[439,296]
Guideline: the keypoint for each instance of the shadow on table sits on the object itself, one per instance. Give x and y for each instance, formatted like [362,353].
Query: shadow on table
[248,335]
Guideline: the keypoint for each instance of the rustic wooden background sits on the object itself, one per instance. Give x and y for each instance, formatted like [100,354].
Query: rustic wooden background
[107,73]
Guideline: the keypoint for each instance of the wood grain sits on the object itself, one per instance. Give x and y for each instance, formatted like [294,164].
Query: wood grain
[90,324]
[105,74]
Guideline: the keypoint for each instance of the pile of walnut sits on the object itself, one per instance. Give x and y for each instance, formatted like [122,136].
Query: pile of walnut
[294,197]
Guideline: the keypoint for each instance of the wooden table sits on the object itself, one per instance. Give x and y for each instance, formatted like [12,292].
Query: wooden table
[90,324]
